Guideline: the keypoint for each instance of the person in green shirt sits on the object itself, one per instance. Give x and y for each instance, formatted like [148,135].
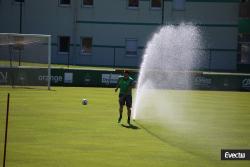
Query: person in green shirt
[125,83]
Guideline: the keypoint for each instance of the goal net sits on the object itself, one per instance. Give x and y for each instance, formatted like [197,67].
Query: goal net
[25,59]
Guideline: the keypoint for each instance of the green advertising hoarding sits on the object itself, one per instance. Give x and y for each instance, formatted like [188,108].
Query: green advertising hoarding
[95,78]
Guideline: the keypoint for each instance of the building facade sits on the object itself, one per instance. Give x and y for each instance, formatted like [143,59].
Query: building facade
[115,32]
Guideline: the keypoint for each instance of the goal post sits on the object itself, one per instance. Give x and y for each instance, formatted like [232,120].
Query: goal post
[49,62]
[25,59]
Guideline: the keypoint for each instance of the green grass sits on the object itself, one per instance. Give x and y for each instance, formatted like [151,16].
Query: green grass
[52,128]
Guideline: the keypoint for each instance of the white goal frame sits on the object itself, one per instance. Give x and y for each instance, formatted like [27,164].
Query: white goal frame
[48,39]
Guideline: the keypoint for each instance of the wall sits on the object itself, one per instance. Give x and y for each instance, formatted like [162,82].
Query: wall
[111,22]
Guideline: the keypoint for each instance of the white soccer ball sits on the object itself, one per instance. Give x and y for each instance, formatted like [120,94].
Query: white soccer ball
[84,101]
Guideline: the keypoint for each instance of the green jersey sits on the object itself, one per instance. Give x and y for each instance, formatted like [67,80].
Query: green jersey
[125,84]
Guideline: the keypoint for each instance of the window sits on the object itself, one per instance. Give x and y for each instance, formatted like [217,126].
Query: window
[18,1]
[86,45]
[179,4]
[131,47]
[245,53]
[245,9]
[64,44]
[133,3]
[156,3]
[244,38]
[19,43]
[88,3]
[64,2]
[244,45]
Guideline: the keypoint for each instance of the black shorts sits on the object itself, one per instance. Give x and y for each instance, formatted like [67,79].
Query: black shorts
[125,99]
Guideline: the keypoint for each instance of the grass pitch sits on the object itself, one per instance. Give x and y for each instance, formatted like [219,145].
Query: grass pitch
[53,128]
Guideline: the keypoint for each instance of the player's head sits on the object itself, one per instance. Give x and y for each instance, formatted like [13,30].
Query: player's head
[126,74]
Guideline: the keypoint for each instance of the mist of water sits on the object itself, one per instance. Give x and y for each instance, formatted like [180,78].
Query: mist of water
[171,51]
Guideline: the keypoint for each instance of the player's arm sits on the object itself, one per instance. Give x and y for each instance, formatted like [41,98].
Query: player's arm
[117,85]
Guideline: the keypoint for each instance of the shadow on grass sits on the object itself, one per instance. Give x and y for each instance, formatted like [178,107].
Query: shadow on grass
[168,142]
[130,126]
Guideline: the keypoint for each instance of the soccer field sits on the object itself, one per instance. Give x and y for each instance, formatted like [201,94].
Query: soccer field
[53,128]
